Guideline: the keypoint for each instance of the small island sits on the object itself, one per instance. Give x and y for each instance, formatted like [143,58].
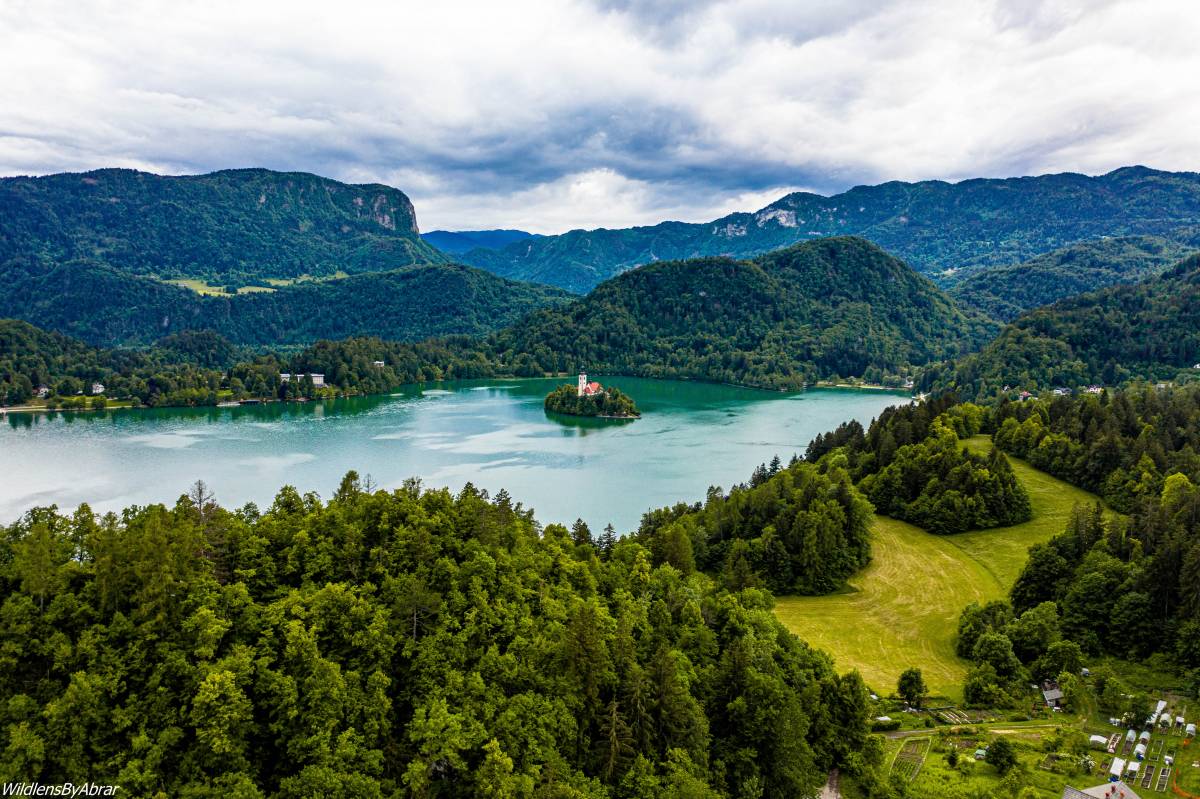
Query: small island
[591,399]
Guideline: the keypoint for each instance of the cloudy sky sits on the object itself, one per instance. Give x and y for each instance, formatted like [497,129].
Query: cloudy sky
[553,115]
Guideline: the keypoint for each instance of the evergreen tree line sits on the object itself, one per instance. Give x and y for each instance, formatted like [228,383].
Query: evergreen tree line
[1124,584]
[792,529]
[1121,445]
[404,643]
[911,465]
[198,367]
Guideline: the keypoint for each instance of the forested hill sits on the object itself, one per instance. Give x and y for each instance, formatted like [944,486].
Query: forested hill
[235,225]
[105,307]
[827,308]
[1006,292]
[1150,330]
[403,643]
[935,226]
[456,242]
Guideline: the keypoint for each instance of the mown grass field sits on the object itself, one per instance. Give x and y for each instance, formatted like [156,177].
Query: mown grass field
[902,610]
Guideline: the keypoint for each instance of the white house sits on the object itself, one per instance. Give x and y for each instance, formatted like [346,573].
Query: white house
[41,392]
[317,379]
[97,388]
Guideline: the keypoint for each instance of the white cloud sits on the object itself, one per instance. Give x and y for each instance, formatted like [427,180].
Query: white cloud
[554,115]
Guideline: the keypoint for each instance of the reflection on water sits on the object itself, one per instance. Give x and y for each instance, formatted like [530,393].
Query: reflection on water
[492,433]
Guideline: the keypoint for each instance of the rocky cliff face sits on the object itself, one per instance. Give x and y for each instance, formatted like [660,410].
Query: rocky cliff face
[244,224]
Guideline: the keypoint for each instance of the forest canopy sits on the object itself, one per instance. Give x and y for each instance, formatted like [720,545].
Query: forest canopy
[407,642]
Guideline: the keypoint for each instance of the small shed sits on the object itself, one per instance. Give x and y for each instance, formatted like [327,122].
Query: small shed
[1144,737]
[1116,769]
[1139,751]
[1098,741]
[1131,736]
[1190,730]
[980,754]
[1179,721]
[1131,770]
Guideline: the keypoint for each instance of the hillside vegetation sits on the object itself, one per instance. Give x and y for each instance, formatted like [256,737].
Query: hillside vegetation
[832,307]
[230,226]
[944,230]
[201,367]
[1150,330]
[456,242]
[398,643]
[105,307]
[1004,293]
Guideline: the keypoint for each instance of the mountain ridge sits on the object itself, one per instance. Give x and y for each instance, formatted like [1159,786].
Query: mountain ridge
[456,242]
[937,226]
[236,225]
[105,307]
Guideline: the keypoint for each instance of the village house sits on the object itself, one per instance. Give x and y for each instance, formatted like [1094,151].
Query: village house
[1109,790]
[97,388]
[377,364]
[1052,693]
[318,380]
[41,392]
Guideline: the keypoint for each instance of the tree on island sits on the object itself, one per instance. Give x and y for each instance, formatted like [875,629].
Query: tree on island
[610,403]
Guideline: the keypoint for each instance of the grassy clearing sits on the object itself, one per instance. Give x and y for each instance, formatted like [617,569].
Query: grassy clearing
[203,288]
[279,282]
[902,610]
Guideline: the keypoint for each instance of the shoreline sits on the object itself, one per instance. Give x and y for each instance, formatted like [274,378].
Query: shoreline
[251,401]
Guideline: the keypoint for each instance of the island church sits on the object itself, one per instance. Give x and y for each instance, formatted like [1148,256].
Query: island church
[587,389]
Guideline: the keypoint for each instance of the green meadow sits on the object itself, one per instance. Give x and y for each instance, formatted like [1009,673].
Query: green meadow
[902,610]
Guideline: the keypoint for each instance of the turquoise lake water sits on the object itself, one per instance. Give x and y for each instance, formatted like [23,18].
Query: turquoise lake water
[494,434]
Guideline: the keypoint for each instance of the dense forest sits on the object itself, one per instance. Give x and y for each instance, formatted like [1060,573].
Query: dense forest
[610,402]
[911,466]
[1124,585]
[403,643]
[826,308]
[456,242]
[1004,293]
[792,529]
[105,307]
[945,230]
[232,226]
[1150,330]
[200,367]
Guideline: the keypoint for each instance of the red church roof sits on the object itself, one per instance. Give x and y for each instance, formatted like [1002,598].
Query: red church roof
[592,388]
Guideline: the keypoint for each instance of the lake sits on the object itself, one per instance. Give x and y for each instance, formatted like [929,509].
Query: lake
[494,434]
